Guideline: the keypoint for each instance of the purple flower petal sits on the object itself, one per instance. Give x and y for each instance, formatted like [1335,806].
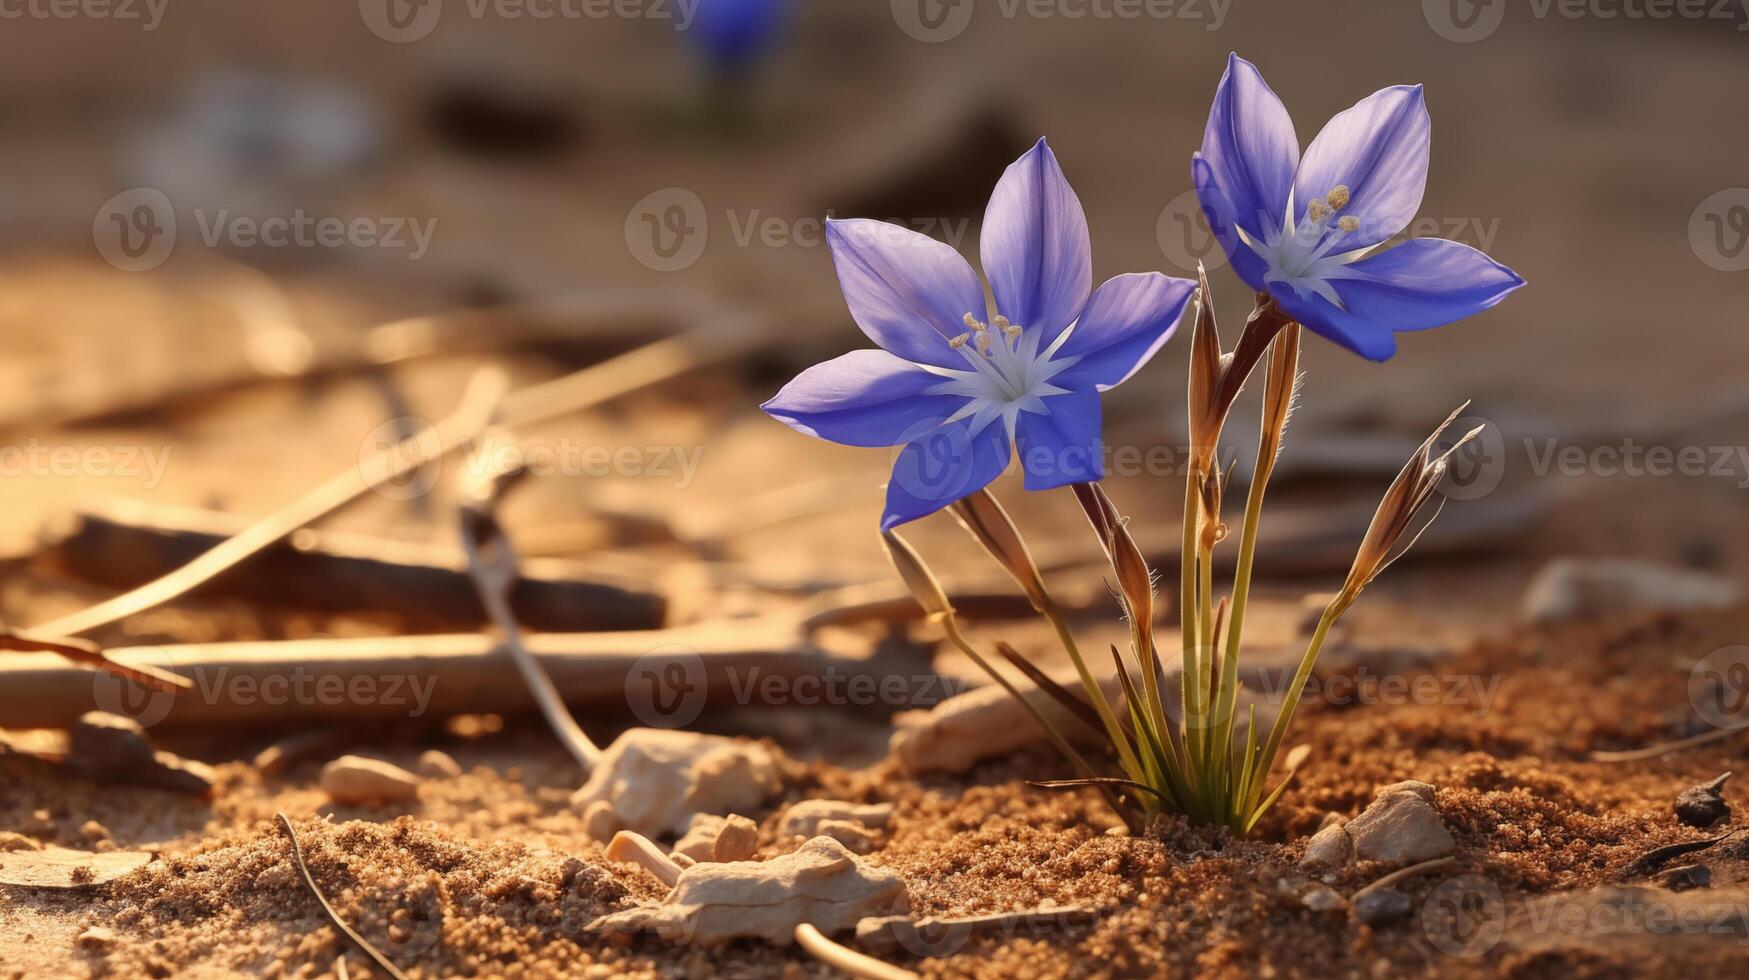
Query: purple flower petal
[943,466]
[1218,209]
[1423,283]
[1125,322]
[1370,339]
[1034,245]
[864,398]
[1061,445]
[1378,149]
[1251,147]
[908,292]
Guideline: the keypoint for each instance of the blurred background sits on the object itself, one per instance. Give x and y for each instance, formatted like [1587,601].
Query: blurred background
[247,244]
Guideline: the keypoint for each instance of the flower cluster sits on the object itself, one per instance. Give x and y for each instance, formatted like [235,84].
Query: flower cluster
[960,385]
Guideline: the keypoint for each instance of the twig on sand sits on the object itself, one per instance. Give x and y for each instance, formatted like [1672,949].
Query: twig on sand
[1404,874]
[843,958]
[122,543]
[483,400]
[481,397]
[1667,748]
[363,945]
[492,562]
[86,652]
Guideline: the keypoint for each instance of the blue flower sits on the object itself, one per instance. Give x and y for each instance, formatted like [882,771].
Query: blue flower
[1306,230]
[734,34]
[956,391]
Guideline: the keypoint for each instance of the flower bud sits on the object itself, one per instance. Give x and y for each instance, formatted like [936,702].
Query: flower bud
[917,576]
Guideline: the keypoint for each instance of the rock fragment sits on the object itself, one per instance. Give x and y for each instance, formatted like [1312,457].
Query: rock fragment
[600,822]
[1704,805]
[355,779]
[984,723]
[714,838]
[1400,826]
[656,780]
[738,840]
[1330,847]
[711,904]
[803,819]
[437,764]
[1323,898]
[1381,906]
[114,748]
[96,939]
[1583,588]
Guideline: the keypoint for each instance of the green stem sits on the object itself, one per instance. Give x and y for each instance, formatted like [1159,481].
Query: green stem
[1095,693]
[1277,731]
[1187,622]
[951,627]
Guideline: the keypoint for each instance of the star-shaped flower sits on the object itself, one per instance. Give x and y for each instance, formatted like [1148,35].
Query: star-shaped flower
[1307,230]
[955,384]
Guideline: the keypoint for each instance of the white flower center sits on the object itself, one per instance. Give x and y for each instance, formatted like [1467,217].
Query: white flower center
[1301,255]
[1009,374]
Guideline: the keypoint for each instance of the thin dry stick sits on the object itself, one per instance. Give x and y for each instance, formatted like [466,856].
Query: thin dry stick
[574,392]
[86,652]
[1667,748]
[1404,874]
[357,940]
[482,396]
[492,563]
[843,958]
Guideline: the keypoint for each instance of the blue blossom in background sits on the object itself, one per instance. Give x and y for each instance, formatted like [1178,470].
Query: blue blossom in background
[734,34]
[957,385]
[1307,230]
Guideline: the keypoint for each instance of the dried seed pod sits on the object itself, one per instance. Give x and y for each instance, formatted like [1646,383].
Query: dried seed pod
[986,520]
[924,586]
[1407,495]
